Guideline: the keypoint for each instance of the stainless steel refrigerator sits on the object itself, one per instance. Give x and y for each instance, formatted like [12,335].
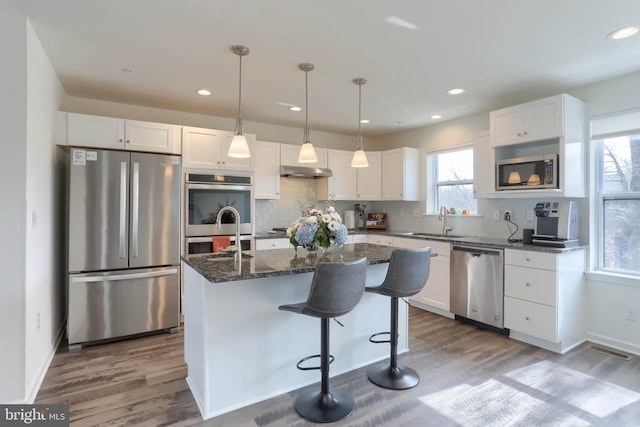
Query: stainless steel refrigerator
[123,244]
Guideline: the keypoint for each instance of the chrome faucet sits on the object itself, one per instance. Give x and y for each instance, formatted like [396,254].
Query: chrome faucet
[443,217]
[236,220]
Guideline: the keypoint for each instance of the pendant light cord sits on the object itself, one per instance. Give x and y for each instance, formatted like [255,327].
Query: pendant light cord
[306,107]
[240,93]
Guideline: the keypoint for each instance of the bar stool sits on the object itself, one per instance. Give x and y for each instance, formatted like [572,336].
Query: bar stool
[408,272]
[336,289]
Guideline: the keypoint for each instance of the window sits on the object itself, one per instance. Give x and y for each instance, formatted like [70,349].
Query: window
[452,180]
[617,147]
[619,197]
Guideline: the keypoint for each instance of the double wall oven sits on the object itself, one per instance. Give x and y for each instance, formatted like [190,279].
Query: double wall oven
[205,195]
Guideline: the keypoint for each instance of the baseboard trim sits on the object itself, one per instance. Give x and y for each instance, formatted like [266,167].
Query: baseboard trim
[30,396]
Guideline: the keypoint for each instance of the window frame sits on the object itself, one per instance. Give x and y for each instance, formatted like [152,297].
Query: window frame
[601,197]
[433,185]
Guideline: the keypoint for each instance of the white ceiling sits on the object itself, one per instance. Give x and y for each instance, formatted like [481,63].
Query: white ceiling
[502,51]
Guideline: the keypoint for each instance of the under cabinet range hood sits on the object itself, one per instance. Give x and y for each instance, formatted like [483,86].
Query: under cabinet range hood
[304,172]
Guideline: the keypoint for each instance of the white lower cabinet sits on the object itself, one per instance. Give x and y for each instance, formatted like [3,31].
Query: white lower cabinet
[544,298]
[436,292]
[357,238]
[262,244]
[380,239]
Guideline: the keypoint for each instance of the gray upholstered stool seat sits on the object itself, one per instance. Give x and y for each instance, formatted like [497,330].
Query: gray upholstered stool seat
[336,289]
[408,272]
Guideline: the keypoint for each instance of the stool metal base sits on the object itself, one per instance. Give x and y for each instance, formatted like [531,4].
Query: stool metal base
[315,406]
[398,378]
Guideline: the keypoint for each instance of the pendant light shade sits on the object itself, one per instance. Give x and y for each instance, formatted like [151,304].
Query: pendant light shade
[307,153]
[239,147]
[359,159]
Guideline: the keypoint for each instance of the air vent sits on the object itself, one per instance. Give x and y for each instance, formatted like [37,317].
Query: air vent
[610,352]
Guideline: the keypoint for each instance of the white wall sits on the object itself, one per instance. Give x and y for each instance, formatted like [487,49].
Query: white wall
[30,257]
[13,110]
[608,298]
[44,290]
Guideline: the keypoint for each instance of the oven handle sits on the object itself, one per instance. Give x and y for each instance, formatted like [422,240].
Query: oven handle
[210,238]
[218,187]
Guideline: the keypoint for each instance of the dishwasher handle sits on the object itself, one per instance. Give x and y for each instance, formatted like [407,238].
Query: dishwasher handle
[476,251]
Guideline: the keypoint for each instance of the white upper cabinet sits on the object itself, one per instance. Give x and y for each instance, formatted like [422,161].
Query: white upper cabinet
[400,174]
[369,179]
[342,185]
[289,156]
[483,166]
[207,149]
[534,121]
[85,130]
[550,126]
[266,183]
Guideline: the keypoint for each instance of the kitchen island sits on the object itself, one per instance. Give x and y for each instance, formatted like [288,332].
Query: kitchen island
[240,349]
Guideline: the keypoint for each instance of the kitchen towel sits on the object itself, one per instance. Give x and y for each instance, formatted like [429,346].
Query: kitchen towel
[220,242]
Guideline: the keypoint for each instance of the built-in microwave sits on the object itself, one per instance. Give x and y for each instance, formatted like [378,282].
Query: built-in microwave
[527,173]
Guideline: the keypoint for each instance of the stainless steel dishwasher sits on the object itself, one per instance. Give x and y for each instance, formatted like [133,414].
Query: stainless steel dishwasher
[477,284]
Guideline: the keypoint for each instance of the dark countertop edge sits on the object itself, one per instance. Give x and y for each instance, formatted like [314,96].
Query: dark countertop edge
[260,275]
[471,240]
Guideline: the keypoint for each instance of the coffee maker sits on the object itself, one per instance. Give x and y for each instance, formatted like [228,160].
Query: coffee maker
[556,224]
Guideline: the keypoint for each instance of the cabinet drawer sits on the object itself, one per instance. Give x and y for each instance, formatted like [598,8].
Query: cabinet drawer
[530,318]
[530,284]
[380,239]
[272,244]
[542,260]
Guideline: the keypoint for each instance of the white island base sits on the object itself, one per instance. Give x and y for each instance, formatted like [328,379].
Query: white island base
[240,349]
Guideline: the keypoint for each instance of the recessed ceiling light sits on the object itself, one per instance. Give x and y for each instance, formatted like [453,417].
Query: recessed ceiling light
[401,22]
[623,33]
[295,108]
[436,116]
[456,91]
[365,121]
[203,92]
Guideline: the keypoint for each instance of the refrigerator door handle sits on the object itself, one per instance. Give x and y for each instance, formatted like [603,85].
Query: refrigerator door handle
[123,211]
[113,277]
[135,209]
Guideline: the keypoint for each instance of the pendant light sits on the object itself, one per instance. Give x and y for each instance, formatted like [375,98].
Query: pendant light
[239,147]
[307,153]
[359,157]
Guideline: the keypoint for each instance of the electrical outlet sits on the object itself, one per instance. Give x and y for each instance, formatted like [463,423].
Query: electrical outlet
[38,321]
[631,313]
[496,214]
[531,215]
[507,214]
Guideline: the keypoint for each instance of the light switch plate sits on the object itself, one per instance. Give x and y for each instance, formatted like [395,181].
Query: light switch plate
[496,214]
[531,216]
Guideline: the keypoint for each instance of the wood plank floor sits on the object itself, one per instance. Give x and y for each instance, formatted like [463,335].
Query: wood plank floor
[469,377]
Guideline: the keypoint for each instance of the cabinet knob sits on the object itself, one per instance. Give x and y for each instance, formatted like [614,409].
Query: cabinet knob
[519,134]
[527,284]
[526,318]
[128,142]
[528,259]
[525,132]
[120,140]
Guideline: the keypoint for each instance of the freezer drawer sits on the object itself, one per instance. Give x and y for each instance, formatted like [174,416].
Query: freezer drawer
[115,304]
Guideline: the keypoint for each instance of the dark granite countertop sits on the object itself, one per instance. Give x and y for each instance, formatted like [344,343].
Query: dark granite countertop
[471,240]
[280,262]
